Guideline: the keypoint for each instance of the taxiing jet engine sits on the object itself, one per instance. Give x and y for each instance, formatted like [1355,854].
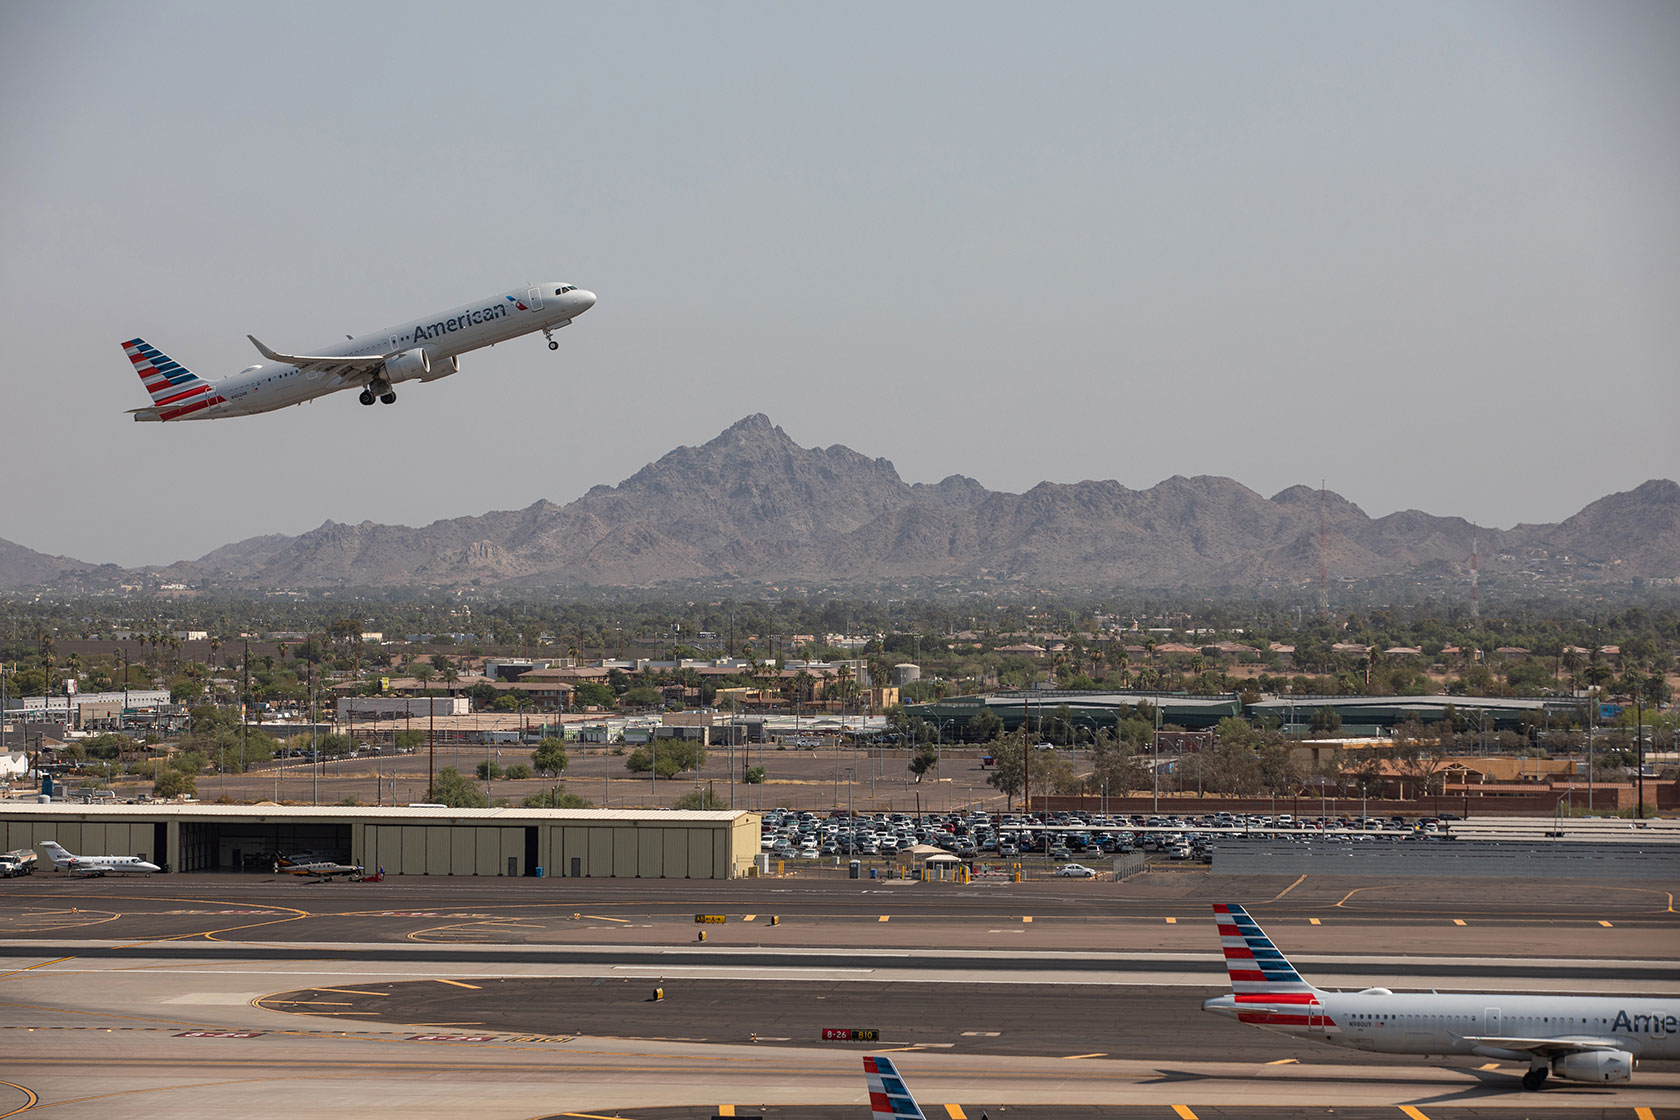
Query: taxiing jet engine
[408,364]
[442,367]
[1595,1065]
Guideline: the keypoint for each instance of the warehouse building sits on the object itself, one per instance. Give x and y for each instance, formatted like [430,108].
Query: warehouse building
[418,840]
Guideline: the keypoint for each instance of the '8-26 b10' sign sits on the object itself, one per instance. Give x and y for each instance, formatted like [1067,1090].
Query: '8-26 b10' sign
[841,1034]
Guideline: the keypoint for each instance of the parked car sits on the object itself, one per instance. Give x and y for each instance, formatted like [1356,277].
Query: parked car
[1076,871]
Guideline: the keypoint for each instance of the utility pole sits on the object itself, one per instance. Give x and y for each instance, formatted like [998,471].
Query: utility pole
[314,742]
[1026,752]
[1639,746]
[431,748]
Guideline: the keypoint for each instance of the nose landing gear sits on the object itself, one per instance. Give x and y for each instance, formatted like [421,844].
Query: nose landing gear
[548,333]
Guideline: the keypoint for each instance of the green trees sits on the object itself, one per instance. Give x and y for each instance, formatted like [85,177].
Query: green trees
[666,757]
[452,789]
[700,799]
[556,798]
[754,776]
[925,759]
[173,783]
[983,726]
[488,771]
[1116,770]
[593,694]
[518,772]
[1009,776]
[643,696]
[549,759]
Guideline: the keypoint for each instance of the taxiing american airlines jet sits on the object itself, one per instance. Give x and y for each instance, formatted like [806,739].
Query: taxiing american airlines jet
[1576,1038]
[424,350]
[96,865]
[889,1096]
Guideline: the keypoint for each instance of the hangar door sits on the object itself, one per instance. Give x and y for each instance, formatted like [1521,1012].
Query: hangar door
[435,849]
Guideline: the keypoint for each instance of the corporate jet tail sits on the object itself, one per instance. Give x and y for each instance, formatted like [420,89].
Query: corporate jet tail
[176,390]
[889,1097]
[56,853]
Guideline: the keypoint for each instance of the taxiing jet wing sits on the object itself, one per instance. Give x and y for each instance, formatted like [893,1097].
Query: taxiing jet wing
[1549,1047]
[355,366]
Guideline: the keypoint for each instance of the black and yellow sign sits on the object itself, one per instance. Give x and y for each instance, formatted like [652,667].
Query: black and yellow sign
[709,919]
[841,1034]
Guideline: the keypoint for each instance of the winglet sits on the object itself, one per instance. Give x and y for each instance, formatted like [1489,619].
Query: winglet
[263,350]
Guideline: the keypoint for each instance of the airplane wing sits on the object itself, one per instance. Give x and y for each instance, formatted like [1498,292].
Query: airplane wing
[1548,1047]
[349,368]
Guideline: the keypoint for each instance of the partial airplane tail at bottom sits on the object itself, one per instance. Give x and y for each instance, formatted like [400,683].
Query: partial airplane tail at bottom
[176,390]
[889,1097]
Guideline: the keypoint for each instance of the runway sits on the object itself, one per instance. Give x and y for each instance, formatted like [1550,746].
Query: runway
[121,1000]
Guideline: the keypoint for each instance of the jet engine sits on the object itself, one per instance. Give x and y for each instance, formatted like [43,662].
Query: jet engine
[409,364]
[1595,1065]
[442,367]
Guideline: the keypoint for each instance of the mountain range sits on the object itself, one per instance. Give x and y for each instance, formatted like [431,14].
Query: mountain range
[753,507]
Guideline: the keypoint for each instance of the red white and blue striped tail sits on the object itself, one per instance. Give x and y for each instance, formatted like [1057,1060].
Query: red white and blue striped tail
[1255,964]
[176,390]
[889,1097]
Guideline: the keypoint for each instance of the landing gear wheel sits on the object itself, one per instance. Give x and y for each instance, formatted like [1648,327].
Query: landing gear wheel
[1534,1078]
[553,345]
[388,398]
[366,397]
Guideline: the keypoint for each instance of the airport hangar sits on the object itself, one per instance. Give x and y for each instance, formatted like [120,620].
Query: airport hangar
[417,840]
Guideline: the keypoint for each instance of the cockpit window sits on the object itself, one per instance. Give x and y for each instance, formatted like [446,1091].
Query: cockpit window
[564,288]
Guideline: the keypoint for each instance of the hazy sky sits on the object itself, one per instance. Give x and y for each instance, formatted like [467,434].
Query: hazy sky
[1429,252]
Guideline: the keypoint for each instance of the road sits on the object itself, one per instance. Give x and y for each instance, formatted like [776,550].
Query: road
[219,996]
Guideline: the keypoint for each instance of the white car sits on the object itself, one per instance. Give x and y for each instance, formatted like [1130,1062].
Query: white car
[1076,871]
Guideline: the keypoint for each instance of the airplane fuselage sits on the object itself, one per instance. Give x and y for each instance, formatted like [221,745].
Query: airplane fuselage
[109,865]
[1437,1023]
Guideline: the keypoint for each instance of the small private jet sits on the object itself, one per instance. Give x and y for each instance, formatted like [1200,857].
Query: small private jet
[63,860]
[321,870]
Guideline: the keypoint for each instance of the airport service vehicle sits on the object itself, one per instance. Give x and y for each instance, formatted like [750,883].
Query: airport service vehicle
[1575,1038]
[424,350]
[96,865]
[889,1096]
[323,870]
[1076,871]
[20,862]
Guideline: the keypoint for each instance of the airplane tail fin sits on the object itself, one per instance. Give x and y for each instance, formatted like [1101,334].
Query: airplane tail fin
[889,1097]
[56,852]
[176,390]
[1255,964]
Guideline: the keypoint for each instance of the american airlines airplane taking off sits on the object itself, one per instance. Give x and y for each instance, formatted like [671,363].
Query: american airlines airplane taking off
[1578,1038]
[425,349]
[96,865]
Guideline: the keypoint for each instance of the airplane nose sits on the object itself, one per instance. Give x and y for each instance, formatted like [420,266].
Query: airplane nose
[585,298]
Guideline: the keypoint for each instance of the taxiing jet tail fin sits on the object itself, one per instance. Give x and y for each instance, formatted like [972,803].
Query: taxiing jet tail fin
[55,852]
[1255,964]
[889,1097]
[176,390]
